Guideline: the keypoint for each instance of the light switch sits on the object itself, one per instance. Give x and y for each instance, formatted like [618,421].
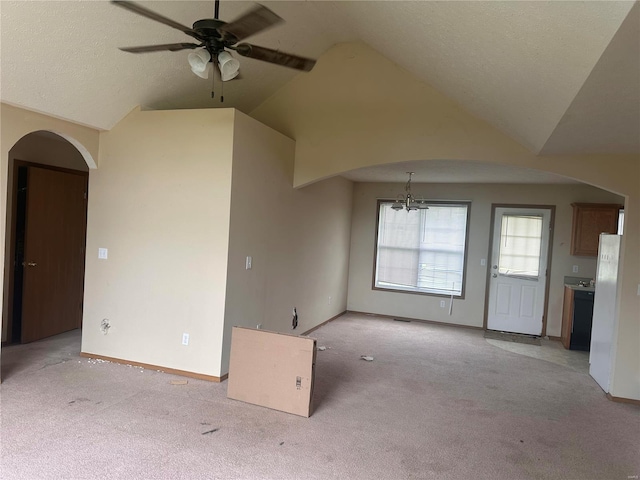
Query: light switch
[248,263]
[102,253]
[483,262]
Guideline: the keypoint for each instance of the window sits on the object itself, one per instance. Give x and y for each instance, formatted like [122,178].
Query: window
[520,244]
[422,251]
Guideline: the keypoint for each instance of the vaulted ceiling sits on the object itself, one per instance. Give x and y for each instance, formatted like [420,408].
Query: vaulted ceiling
[560,77]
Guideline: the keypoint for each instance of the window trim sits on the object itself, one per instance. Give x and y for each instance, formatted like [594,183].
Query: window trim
[466,203]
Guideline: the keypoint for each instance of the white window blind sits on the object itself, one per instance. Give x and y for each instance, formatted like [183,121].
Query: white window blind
[422,251]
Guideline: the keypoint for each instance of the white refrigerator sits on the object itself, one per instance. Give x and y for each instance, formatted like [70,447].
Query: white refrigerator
[604,324]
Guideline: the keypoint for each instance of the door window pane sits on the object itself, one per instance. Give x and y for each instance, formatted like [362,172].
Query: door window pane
[520,244]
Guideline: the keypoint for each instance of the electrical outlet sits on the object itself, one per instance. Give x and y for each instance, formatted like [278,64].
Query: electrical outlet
[103,253]
[442,304]
[248,262]
[259,326]
[575,269]
[329,301]
[185,339]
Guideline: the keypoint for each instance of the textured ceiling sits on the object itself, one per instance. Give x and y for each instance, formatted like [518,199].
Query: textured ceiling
[606,110]
[62,58]
[557,76]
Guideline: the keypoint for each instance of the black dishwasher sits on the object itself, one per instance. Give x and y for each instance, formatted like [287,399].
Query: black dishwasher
[582,315]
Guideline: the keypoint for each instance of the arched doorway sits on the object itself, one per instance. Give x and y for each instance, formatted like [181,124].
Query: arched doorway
[45,237]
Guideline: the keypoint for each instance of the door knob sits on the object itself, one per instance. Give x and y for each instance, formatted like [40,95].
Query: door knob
[30,264]
[495,275]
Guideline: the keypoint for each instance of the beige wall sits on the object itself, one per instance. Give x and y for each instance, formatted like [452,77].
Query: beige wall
[15,123]
[470,310]
[356,108]
[298,239]
[160,204]
[372,112]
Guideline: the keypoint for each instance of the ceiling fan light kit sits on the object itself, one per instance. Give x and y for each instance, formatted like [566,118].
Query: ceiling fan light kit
[229,66]
[200,63]
[216,38]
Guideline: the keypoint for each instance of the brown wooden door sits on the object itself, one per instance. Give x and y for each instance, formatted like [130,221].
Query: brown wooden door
[53,253]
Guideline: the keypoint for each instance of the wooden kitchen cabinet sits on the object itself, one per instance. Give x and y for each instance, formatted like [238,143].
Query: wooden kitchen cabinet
[567,317]
[589,221]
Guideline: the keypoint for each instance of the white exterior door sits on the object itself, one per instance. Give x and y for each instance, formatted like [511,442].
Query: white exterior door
[518,270]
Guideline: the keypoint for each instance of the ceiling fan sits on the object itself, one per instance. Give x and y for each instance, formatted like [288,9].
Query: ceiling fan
[214,38]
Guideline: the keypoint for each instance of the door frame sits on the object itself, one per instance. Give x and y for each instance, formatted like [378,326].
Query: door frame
[11,234]
[552,213]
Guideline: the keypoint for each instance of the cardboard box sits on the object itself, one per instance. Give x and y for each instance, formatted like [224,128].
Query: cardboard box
[273,370]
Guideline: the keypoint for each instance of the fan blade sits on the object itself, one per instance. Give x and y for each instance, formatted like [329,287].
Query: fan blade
[252,22]
[274,56]
[171,47]
[145,12]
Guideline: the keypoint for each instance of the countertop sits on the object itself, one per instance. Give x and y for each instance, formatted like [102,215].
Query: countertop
[579,288]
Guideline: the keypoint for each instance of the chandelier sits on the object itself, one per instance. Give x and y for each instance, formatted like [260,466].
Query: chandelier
[408,200]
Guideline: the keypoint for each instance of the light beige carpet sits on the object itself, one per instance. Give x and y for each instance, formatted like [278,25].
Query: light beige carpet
[436,402]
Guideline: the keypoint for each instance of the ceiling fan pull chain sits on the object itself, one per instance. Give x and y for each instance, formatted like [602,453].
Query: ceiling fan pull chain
[217,9]
[221,90]
[213,81]
[214,74]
